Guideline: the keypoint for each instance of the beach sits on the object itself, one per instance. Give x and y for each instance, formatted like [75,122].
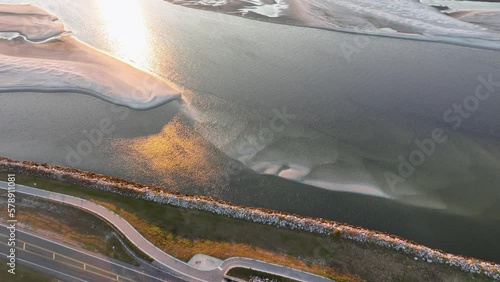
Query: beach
[348,107]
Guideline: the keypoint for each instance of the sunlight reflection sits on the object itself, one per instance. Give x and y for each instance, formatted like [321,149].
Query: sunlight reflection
[179,157]
[126,27]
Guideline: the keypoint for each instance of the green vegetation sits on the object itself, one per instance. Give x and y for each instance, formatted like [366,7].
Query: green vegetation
[245,274]
[23,274]
[136,250]
[58,221]
[183,233]
[404,278]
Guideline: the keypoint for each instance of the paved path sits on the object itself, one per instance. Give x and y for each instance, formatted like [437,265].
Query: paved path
[164,260]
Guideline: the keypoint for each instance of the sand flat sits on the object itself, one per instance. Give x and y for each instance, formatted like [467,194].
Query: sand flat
[63,63]
[33,23]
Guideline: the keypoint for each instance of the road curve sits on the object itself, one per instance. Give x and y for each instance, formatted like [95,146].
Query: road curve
[73,264]
[166,261]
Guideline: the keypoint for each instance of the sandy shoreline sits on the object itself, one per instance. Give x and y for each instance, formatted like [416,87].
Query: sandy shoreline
[368,18]
[31,22]
[63,63]
[388,92]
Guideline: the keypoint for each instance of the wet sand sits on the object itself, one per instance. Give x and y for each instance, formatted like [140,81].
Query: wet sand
[59,62]
[369,106]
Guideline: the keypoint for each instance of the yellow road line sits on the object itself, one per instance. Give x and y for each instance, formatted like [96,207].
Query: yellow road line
[115,277]
[67,264]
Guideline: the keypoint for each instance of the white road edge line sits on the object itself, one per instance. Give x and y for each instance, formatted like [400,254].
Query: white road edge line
[90,202]
[52,196]
[90,255]
[50,269]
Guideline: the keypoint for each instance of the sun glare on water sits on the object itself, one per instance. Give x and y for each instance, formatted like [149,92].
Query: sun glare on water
[126,27]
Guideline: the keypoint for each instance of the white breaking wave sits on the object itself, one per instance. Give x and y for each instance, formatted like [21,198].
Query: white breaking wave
[271,10]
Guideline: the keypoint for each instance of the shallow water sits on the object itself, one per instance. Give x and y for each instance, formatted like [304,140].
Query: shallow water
[351,113]
[421,20]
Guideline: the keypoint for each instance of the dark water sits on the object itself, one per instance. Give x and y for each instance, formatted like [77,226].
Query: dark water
[355,111]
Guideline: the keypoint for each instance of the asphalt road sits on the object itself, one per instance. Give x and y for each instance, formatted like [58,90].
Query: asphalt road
[175,267]
[70,264]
